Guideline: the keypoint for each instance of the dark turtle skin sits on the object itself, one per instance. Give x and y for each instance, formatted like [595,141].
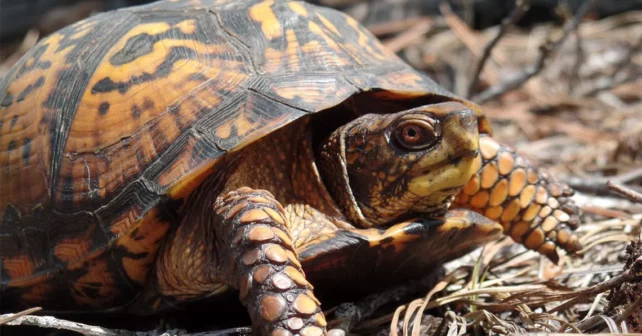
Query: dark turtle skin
[162,154]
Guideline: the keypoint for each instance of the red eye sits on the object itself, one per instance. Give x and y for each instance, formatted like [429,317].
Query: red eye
[411,134]
[417,134]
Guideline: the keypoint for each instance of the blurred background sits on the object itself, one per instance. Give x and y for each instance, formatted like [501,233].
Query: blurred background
[561,81]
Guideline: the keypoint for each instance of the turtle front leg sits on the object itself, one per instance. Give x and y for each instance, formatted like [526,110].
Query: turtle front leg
[533,208]
[257,257]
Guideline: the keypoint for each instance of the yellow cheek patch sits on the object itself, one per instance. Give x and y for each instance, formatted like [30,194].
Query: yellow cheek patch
[446,177]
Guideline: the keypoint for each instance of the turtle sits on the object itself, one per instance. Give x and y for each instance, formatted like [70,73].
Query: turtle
[164,154]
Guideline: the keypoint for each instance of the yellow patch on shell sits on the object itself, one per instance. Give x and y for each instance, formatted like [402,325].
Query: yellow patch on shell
[298,8]
[263,14]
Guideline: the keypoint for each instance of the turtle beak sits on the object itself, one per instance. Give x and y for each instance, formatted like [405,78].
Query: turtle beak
[449,166]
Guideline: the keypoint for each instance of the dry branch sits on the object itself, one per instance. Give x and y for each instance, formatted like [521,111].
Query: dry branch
[546,50]
[624,191]
[90,330]
[521,7]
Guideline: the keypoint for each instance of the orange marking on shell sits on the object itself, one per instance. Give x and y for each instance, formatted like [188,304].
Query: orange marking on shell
[72,249]
[510,211]
[494,212]
[272,307]
[526,196]
[472,187]
[18,267]
[252,256]
[488,147]
[375,50]
[516,182]
[276,254]
[499,193]
[37,292]
[337,59]
[304,305]
[518,231]
[264,15]
[281,282]
[260,233]
[291,54]
[480,199]
[535,239]
[187,26]
[99,279]
[489,175]
[254,215]
[23,183]
[505,163]
[224,131]
[328,24]
[531,212]
[298,8]
[261,273]
[296,276]
[549,223]
[311,331]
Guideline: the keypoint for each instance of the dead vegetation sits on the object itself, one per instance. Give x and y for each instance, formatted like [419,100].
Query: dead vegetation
[570,97]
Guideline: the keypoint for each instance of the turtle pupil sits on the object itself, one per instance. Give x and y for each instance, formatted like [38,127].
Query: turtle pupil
[411,132]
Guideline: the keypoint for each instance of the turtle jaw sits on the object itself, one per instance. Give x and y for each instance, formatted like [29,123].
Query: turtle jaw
[442,175]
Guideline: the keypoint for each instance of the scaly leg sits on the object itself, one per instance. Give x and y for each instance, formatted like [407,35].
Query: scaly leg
[257,257]
[533,208]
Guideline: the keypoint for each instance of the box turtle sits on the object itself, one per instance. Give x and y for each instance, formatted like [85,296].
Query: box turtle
[162,154]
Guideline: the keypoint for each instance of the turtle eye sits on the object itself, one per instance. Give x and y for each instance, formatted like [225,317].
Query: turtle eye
[417,134]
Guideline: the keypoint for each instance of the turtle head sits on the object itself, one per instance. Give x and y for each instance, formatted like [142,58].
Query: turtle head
[382,168]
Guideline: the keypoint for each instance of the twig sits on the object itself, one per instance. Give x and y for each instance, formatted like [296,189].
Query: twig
[521,7]
[579,59]
[10,317]
[54,323]
[547,49]
[624,191]
[397,26]
[408,37]
[89,330]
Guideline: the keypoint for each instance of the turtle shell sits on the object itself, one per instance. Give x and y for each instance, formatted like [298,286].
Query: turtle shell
[106,125]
